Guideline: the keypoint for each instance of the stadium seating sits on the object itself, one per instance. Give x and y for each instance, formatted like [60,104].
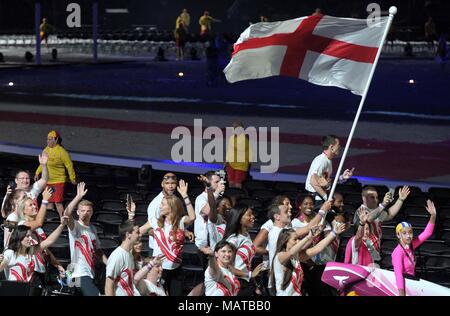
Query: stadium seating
[109,186]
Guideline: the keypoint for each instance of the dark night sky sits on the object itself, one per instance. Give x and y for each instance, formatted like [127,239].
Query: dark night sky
[19,14]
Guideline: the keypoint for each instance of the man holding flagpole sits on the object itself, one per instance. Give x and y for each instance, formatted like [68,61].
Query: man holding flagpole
[318,180]
[321,49]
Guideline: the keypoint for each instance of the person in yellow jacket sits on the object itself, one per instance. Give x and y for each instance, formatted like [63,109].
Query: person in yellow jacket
[184,18]
[58,161]
[205,22]
[238,157]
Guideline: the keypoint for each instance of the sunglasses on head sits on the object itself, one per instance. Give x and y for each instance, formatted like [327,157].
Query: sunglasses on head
[170,178]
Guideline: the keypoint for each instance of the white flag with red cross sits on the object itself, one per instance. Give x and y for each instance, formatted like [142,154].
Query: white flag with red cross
[321,49]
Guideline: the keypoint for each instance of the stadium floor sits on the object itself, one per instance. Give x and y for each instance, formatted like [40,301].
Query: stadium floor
[124,113]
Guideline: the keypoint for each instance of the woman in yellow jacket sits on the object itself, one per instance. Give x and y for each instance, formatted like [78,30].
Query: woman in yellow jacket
[58,161]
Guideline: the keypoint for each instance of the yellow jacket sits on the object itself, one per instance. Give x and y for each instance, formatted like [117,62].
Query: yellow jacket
[58,161]
[239,152]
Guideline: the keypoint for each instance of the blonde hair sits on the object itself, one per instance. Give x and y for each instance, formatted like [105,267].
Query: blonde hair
[21,207]
[85,203]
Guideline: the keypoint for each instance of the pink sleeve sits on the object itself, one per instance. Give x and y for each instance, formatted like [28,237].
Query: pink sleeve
[348,251]
[423,236]
[397,263]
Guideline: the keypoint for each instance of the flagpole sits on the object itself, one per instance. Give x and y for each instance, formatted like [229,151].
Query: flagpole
[392,12]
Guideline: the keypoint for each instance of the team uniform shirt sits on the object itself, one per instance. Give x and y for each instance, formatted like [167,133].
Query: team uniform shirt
[367,253]
[84,242]
[228,285]
[34,192]
[245,251]
[20,267]
[167,244]
[295,285]
[272,243]
[201,221]
[375,225]
[330,252]
[267,225]
[216,231]
[40,257]
[322,167]
[153,289]
[300,222]
[120,268]
[153,211]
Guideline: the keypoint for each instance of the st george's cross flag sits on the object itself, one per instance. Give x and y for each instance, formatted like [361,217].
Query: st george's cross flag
[321,49]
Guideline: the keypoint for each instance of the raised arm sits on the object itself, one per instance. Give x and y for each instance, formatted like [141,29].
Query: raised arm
[311,252]
[378,212]
[142,273]
[242,274]
[430,226]
[394,209]
[5,198]
[182,189]
[42,182]
[53,237]
[215,271]
[363,215]
[40,217]
[81,192]
[131,210]
[348,173]
[285,256]
[303,231]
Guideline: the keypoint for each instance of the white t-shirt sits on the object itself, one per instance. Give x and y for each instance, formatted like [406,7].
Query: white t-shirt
[153,211]
[200,223]
[20,268]
[267,225]
[295,286]
[40,257]
[153,289]
[167,244]
[296,223]
[34,192]
[83,243]
[228,285]
[120,268]
[245,251]
[321,166]
[272,242]
[216,231]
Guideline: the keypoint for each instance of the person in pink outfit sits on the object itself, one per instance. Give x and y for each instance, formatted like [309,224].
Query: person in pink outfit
[403,259]
[364,247]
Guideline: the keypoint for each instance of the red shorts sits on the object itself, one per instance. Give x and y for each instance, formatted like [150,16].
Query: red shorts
[58,192]
[236,176]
